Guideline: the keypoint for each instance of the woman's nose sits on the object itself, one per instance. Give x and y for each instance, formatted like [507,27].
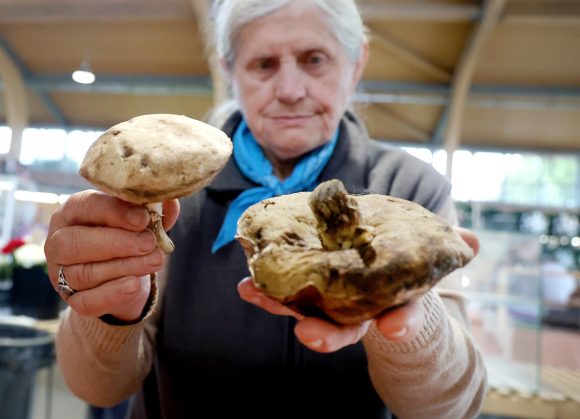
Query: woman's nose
[290,84]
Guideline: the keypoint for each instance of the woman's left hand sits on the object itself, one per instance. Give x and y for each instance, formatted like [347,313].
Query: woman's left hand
[398,325]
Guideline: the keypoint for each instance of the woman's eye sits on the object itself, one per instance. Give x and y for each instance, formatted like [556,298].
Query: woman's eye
[265,64]
[314,59]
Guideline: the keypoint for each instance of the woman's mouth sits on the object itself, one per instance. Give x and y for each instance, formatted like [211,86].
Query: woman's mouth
[292,119]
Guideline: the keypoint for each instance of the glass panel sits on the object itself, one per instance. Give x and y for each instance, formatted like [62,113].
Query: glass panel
[5,139]
[77,144]
[503,287]
[43,148]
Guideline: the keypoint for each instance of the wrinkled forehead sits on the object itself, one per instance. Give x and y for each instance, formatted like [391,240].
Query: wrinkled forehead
[298,26]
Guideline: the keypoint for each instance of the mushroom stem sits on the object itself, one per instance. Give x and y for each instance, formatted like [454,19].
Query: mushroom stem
[156,226]
[339,221]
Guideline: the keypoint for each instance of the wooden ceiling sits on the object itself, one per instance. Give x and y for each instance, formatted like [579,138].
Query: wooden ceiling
[441,72]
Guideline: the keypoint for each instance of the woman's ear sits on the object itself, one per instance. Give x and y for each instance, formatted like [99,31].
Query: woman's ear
[227,77]
[360,65]
[225,70]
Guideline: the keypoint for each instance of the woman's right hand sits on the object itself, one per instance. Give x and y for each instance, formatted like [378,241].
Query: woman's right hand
[106,252]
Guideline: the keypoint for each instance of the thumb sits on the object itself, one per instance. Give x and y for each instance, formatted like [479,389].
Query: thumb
[402,324]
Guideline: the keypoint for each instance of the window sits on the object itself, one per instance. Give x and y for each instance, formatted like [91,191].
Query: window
[42,148]
[551,180]
[55,149]
[5,139]
[77,144]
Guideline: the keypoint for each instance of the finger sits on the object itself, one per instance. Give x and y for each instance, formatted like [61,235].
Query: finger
[170,213]
[250,293]
[84,276]
[99,209]
[133,309]
[317,334]
[322,336]
[124,298]
[470,238]
[80,244]
[402,324]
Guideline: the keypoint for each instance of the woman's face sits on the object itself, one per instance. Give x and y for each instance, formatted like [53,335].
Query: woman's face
[292,79]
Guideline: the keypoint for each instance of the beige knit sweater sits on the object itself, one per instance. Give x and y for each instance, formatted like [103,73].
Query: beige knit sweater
[439,374]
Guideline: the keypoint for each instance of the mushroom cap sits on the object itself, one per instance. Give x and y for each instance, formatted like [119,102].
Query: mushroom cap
[410,250]
[154,158]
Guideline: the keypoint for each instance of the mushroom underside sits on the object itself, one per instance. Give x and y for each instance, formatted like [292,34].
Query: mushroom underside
[347,265]
[338,285]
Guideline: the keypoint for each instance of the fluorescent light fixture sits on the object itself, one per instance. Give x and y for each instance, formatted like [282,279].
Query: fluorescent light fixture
[33,196]
[40,197]
[62,198]
[84,75]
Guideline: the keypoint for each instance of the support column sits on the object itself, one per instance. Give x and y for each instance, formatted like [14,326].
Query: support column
[464,76]
[16,99]
[220,87]
[414,59]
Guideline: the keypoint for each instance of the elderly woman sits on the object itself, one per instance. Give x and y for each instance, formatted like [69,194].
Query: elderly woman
[192,345]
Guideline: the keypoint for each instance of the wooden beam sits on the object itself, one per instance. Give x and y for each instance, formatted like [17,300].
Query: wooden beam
[25,73]
[377,91]
[464,76]
[439,131]
[551,12]
[33,11]
[16,99]
[68,11]
[521,11]
[409,128]
[423,11]
[219,84]
[41,11]
[410,57]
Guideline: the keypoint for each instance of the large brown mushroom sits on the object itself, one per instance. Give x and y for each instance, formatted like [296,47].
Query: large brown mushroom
[347,257]
[154,158]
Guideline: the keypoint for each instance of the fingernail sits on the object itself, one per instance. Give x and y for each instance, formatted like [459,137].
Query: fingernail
[137,217]
[154,259]
[399,333]
[315,343]
[146,241]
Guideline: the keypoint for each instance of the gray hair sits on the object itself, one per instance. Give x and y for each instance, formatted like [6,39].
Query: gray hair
[230,16]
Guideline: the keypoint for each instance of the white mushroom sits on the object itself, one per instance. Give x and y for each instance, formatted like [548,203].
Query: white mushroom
[154,158]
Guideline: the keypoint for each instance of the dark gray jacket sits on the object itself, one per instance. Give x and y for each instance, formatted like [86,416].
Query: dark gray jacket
[216,353]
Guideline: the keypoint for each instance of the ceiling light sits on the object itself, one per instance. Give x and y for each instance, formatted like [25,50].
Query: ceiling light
[83,75]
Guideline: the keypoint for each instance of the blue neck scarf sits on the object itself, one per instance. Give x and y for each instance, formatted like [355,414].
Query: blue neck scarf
[255,166]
